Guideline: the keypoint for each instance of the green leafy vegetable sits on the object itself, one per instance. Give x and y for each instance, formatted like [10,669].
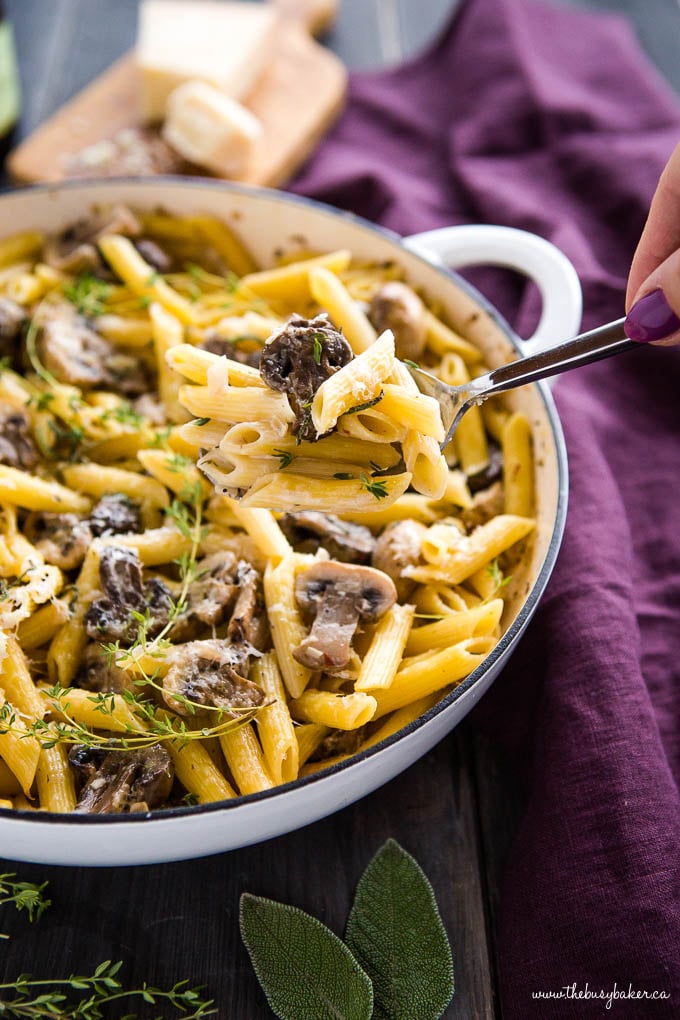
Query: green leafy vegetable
[306,972]
[199,421]
[396,933]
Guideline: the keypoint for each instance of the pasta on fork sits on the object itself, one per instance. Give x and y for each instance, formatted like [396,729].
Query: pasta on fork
[231,550]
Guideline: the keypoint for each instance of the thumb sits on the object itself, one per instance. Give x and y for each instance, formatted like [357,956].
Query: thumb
[654,315]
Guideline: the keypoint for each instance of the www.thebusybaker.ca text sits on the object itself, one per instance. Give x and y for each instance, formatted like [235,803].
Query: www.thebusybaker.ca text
[608,995]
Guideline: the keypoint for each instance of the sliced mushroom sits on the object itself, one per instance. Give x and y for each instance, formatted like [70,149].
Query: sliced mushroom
[70,350]
[17,448]
[397,307]
[248,625]
[74,353]
[490,473]
[486,503]
[117,782]
[310,530]
[151,407]
[247,353]
[154,255]
[115,514]
[13,319]
[210,597]
[339,742]
[75,249]
[209,673]
[111,618]
[339,596]
[100,674]
[63,539]
[298,358]
[396,548]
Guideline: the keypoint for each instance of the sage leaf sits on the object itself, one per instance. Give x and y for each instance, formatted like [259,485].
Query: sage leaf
[396,934]
[306,972]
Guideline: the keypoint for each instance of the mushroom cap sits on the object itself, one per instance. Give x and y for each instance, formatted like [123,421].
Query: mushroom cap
[370,591]
[397,307]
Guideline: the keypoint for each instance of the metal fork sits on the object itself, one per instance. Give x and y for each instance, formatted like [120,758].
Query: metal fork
[454,401]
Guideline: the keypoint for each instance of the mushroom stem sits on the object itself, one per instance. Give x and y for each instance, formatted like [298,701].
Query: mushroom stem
[328,644]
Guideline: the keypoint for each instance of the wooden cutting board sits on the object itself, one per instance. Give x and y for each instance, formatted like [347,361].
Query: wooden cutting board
[100,132]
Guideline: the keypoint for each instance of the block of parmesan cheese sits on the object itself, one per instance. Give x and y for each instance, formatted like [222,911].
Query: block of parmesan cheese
[225,44]
[211,129]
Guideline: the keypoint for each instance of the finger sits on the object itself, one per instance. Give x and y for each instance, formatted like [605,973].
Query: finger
[654,316]
[661,235]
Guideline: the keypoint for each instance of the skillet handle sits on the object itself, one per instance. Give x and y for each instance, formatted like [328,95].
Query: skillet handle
[541,261]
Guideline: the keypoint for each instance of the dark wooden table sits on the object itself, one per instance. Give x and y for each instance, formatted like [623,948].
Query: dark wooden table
[455,810]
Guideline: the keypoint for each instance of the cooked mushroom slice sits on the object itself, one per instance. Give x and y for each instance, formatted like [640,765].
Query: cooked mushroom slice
[116,782]
[151,407]
[115,514]
[63,539]
[70,350]
[74,353]
[16,444]
[210,597]
[110,618]
[248,625]
[298,358]
[154,255]
[309,530]
[490,473]
[247,353]
[395,306]
[339,742]
[339,595]
[486,503]
[75,251]
[100,674]
[398,547]
[13,318]
[209,673]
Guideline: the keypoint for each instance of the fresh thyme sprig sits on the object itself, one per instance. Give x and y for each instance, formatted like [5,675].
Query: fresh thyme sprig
[32,350]
[64,997]
[88,294]
[500,580]
[285,457]
[376,487]
[154,727]
[25,896]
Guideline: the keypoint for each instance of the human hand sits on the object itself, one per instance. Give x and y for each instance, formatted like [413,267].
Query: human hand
[653,294]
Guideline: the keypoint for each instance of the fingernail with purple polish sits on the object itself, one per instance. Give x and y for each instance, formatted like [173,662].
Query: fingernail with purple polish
[651,318]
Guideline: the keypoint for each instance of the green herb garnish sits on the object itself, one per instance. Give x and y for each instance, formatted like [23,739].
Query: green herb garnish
[200,421]
[395,961]
[25,896]
[81,997]
[88,294]
[369,403]
[376,488]
[317,340]
[285,458]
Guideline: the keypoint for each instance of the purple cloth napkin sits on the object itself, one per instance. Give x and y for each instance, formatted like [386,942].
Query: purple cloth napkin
[550,119]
